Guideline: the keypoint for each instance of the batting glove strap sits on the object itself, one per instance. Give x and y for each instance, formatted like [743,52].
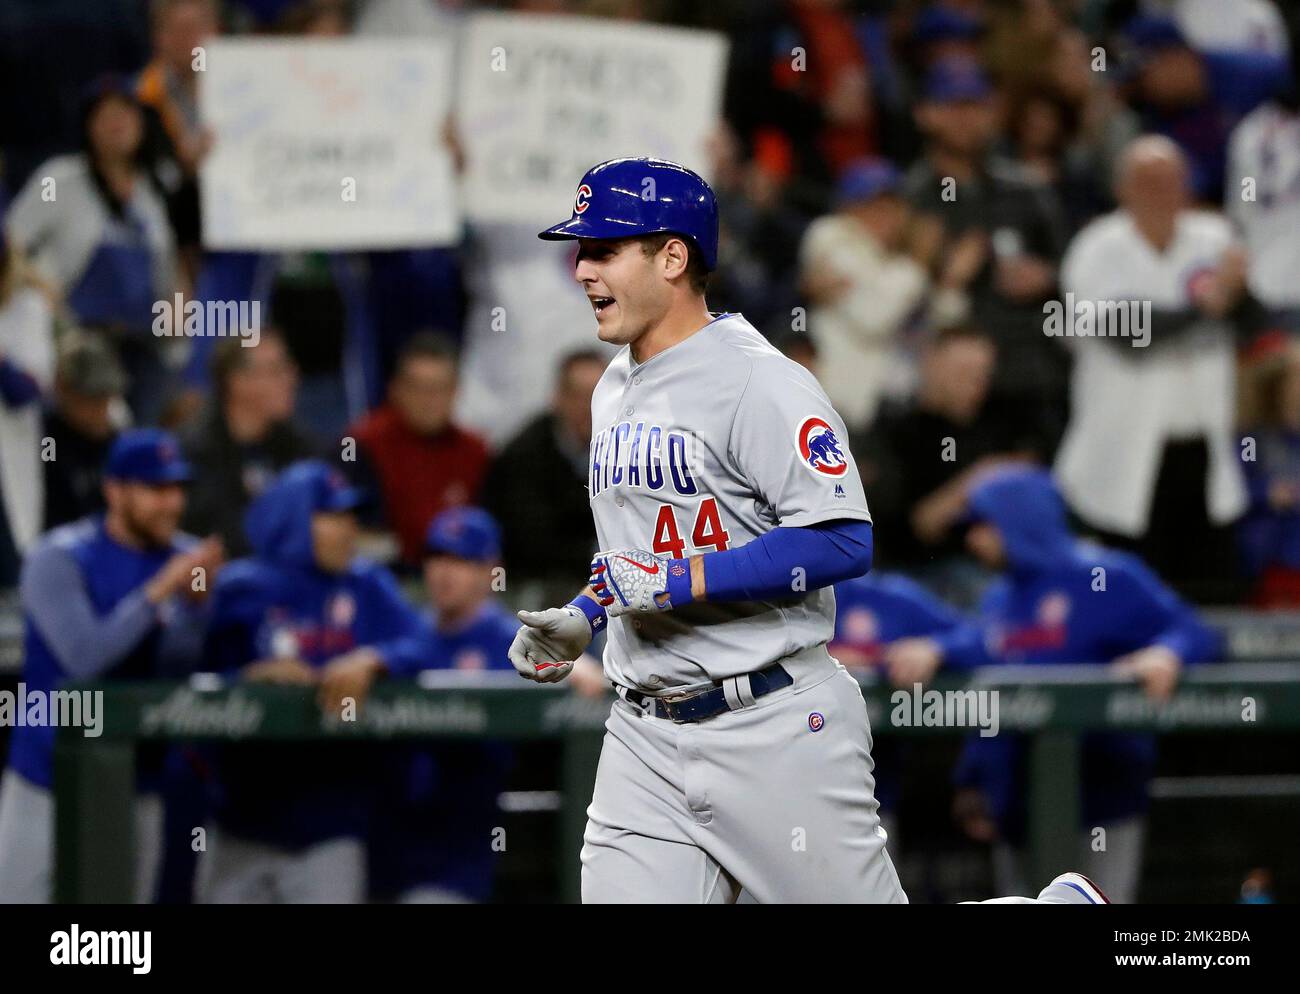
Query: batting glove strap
[628,580]
[594,613]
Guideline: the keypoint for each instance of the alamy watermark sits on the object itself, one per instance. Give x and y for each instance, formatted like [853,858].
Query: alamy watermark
[920,708]
[181,318]
[102,947]
[24,708]
[1075,318]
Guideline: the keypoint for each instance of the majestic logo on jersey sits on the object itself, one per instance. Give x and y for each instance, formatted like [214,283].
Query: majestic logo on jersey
[816,722]
[582,199]
[820,449]
[639,455]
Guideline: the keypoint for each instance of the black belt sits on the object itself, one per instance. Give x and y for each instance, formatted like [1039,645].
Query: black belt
[730,694]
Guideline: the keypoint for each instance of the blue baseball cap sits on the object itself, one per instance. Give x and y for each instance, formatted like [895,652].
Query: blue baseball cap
[464,532]
[147,455]
[954,80]
[866,179]
[330,489]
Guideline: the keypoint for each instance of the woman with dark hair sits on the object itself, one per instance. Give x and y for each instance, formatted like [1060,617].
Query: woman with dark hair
[95,225]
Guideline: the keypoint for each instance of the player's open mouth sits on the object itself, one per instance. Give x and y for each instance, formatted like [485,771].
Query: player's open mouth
[600,303]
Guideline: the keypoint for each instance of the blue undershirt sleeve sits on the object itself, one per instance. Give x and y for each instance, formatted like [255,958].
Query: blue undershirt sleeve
[789,561]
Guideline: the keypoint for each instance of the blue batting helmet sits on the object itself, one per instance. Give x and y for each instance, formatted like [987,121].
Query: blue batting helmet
[642,196]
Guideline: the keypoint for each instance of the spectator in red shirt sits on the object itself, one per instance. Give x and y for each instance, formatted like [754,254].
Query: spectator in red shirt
[409,451]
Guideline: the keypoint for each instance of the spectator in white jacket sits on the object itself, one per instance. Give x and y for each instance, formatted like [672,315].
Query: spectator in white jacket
[1149,459]
[93,224]
[863,269]
[26,368]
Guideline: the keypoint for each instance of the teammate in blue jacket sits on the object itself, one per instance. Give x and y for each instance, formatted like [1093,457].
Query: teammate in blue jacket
[303,610]
[432,840]
[1061,600]
[874,611]
[110,597]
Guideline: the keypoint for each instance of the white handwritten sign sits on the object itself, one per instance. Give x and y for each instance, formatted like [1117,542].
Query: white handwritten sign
[542,99]
[327,144]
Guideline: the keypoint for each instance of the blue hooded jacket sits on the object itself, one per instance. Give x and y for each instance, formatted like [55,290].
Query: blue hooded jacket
[873,610]
[1063,600]
[278,603]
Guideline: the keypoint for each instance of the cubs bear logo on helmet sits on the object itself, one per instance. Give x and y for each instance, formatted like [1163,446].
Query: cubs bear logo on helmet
[642,196]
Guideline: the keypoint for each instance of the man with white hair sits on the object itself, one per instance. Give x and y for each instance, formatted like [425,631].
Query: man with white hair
[1149,458]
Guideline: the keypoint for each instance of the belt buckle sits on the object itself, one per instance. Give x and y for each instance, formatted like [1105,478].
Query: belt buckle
[670,701]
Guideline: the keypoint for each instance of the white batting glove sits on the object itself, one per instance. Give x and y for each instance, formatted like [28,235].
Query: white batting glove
[548,642]
[627,580]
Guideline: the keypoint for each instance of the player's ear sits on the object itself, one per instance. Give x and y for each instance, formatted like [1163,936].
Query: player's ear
[676,258]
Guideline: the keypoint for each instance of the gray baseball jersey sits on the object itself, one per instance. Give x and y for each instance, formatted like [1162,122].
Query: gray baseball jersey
[705,447]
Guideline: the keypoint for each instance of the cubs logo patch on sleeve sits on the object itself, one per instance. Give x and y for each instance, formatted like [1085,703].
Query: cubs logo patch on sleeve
[819,449]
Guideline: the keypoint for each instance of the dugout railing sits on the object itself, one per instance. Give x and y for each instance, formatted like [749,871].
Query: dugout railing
[1054,706]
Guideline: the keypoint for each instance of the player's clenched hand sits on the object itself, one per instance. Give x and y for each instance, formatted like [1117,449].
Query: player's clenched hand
[548,642]
[179,573]
[626,580]
[1156,667]
[349,676]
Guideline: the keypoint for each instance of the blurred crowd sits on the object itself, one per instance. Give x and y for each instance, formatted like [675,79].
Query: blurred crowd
[909,192]
[904,188]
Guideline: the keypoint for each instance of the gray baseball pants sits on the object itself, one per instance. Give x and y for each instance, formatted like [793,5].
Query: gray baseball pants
[776,798]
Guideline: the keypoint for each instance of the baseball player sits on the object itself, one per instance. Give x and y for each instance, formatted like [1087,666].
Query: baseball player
[738,754]
[108,597]
[437,803]
[303,610]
